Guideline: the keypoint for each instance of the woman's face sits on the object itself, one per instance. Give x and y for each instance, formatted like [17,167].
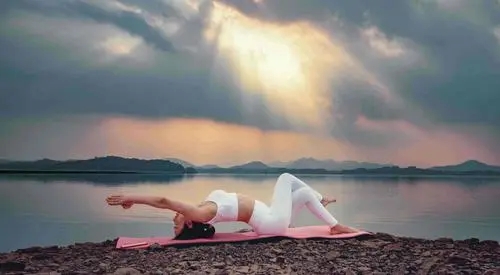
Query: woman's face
[178,223]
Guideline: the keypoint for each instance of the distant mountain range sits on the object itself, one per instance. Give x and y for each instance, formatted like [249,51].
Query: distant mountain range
[328,164]
[302,163]
[113,164]
[313,166]
[253,165]
[332,165]
[110,164]
[470,165]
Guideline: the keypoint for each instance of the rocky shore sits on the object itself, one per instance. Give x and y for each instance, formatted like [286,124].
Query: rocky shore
[376,254]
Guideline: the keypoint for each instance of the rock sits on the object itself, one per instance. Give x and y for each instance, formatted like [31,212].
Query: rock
[63,269]
[127,271]
[459,260]
[492,272]
[332,255]
[254,267]
[364,269]
[385,237]
[242,269]
[273,267]
[155,247]
[280,259]
[103,266]
[393,247]
[374,243]
[428,265]
[471,241]
[218,265]
[41,256]
[52,265]
[384,254]
[30,269]
[489,243]
[28,250]
[277,251]
[12,266]
[78,272]
[177,271]
[444,240]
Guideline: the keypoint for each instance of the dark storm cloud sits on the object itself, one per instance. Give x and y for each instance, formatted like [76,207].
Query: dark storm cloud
[153,96]
[35,81]
[459,85]
[129,21]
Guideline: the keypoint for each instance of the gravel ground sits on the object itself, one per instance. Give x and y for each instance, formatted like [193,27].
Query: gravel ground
[376,254]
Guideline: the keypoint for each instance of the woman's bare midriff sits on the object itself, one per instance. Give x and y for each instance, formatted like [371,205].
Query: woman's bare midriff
[245,208]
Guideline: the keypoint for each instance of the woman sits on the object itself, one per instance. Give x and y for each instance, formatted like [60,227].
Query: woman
[289,196]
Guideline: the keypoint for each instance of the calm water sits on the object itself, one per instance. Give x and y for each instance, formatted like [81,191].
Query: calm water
[47,210]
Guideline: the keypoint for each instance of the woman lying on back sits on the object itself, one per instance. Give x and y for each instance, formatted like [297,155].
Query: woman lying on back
[290,195]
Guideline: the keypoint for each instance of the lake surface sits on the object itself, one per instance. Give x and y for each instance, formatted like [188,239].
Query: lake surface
[63,209]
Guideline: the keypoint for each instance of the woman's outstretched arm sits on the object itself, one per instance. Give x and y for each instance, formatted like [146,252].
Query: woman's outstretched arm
[191,212]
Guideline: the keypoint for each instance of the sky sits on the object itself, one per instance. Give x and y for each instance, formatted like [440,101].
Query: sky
[413,82]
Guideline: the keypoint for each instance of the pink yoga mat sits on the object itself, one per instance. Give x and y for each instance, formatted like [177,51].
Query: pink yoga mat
[304,232]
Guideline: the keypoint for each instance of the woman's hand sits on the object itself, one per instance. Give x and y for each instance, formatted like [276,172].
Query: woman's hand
[124,201]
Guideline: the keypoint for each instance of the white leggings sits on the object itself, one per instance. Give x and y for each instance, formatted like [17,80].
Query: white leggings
[290,195]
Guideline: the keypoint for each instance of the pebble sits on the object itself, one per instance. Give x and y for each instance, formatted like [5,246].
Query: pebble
[379,254]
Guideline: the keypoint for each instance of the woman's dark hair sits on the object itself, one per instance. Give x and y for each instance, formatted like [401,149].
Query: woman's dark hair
[198,230]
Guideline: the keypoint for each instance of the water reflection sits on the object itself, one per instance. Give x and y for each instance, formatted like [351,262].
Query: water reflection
[99,179]
[63,208]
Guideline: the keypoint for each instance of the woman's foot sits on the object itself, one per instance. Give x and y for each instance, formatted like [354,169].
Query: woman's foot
[326,201]
[342,229]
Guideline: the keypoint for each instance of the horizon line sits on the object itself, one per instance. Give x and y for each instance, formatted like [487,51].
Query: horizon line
[244,162]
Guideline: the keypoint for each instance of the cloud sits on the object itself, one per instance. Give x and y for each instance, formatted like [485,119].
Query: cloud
[380,43]
[496,33]
[142,80]
[299,65]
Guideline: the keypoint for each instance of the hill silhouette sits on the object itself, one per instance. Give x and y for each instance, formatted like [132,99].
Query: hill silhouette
[110,164]
[467,166]
[328,164]
[253,165]
[257,167]
[113,164]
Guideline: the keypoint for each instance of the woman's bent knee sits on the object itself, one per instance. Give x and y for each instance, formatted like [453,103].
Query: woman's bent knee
[285,176]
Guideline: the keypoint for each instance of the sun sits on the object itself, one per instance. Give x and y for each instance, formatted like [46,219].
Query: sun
[290,65]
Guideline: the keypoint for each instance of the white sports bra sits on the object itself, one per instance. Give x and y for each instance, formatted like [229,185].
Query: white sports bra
[227,206]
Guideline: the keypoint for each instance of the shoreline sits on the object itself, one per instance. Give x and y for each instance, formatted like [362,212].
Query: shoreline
[268,172]
[380,253]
